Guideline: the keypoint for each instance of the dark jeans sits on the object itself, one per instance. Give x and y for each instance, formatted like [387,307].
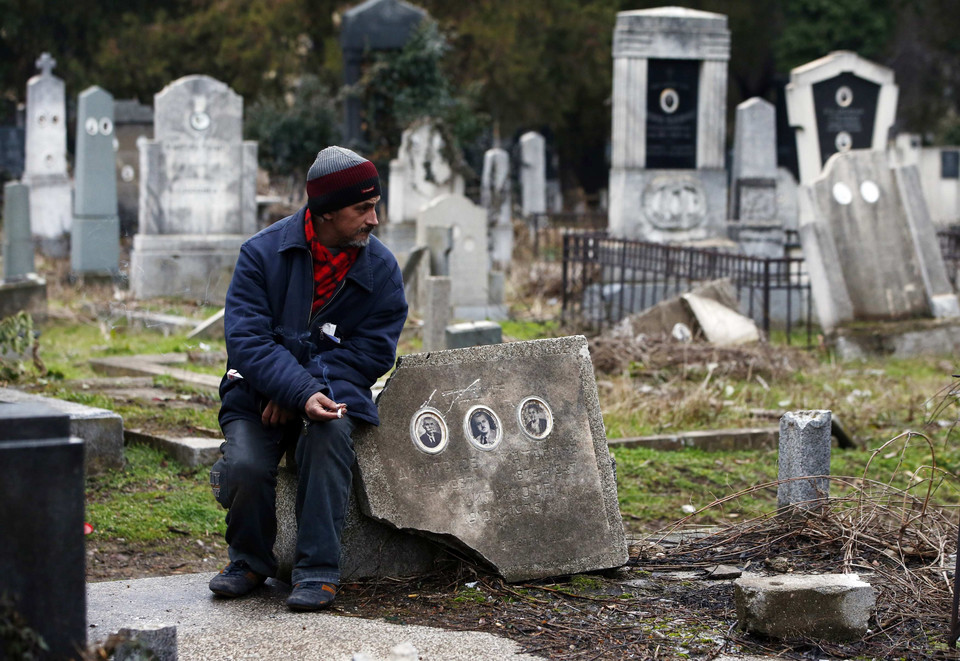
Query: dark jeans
[245,482]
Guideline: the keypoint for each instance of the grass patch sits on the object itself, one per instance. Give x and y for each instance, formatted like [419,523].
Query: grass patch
[153,499]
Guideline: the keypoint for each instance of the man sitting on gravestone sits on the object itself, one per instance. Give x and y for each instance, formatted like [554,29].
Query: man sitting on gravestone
[313,315]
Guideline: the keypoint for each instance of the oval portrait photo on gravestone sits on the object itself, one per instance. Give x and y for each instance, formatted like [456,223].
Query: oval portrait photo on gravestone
[535,418]
[482,427]
[428,431]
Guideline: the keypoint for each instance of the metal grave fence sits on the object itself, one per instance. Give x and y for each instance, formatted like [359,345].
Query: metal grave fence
[606,279]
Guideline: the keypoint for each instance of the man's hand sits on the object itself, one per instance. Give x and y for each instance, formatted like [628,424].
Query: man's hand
[275,415]
[321,407]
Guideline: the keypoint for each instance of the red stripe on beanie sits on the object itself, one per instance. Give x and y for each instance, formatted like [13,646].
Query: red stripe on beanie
[334,181]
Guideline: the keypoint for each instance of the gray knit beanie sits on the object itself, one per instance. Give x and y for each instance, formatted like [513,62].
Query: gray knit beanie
[338,178]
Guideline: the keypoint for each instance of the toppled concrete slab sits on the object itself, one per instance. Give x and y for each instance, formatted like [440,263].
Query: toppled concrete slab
[191,451]
[500,450]
[100,429]
[761,438]
[165,323]
[835,607]
[665,315]
[211,327]
[720,324]
[154,365]
[261,627]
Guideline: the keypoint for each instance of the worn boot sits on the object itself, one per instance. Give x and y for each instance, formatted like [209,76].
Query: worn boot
[311,595]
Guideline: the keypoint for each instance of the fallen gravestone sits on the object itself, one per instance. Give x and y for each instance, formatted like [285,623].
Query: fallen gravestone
[500,450]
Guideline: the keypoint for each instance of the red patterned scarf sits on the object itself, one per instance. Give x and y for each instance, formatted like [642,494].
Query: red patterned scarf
[329,270]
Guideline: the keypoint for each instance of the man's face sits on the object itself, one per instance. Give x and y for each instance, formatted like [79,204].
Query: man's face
[430,426]
[531,414]
[350,226]
[483,424]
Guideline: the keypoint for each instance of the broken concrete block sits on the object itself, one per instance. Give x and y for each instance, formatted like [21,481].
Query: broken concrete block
[834,607]
[368,549]
[156,644]
[499,450]
[100,429]
[721,325]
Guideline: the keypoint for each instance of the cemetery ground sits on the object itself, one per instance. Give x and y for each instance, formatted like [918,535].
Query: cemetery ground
[892,518]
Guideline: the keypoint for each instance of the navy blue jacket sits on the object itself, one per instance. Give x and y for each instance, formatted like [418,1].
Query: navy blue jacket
[277,351]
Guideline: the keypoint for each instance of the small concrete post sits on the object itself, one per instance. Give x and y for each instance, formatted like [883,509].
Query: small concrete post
[437,313]
[17,239]
[440,242]
[804,451]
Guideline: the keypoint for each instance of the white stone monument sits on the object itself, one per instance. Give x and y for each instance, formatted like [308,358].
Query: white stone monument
[420,172]
[45,169]
[95,235]
[533,174]
[197,193]
[667,177]
[469,264]
[496,199]
[754,172]
[838,103]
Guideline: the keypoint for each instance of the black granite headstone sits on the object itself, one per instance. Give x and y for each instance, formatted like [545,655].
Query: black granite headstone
[672,113]
[950,164]
[41,513]
[846,111]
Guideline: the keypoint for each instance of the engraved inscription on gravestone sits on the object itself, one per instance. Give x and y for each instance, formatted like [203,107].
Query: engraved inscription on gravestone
[675,203]
[672,113]
[950,164]
[846,108]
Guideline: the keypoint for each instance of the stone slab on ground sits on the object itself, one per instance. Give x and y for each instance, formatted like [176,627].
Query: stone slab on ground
[499,449]
[261,626]
[100,429]
[834,607]
[191,451]
[760,438]
[28,294]
[154,366]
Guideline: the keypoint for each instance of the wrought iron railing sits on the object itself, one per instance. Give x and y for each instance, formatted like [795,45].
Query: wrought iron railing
[605,279]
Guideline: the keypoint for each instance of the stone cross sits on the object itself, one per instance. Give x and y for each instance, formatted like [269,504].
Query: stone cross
[46,64]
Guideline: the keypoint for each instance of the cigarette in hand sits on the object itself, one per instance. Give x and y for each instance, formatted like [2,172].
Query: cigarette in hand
[339,413]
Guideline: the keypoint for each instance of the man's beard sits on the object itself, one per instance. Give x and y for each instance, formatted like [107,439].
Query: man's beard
[359,240]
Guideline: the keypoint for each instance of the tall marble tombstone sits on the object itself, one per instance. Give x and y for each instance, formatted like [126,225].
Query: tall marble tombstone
[496,199]
[667,177]
[754,175]
[838,103]
[871,248]
[197,193]
[375,25]
[45,169]
[533,174]
[95,234]
[420,172]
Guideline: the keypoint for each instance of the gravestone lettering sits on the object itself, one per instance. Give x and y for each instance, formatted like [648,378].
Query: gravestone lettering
[518,469]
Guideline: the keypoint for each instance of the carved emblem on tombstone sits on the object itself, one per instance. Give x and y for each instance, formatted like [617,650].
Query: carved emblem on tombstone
[675,203]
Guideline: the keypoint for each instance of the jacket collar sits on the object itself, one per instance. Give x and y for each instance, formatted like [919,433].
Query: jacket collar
[292,236]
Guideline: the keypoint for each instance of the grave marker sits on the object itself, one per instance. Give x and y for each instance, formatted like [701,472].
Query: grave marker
[420,172]
[95,234]
[197,193]
[520,475]
[45,169]
[495,198]
[533,174]
[667,178]
[838,103]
